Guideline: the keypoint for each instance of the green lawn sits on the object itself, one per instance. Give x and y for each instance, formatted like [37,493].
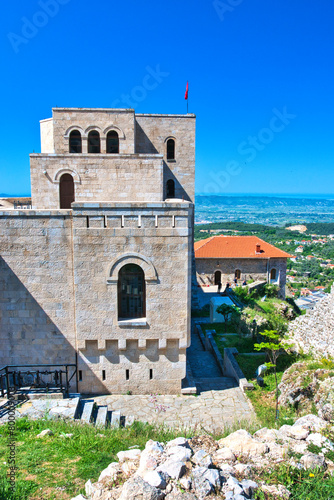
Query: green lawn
[54,468]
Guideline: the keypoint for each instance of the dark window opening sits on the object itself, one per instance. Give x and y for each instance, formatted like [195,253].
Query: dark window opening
[218,277]
[127,374]
[112,142]
[237,274]
[80,375]
[75,142]
[273,274]
[66,191]
[103,374]
[94,142]
[151,374]
[170,192]
[87,220]
[131,292]
[170,149]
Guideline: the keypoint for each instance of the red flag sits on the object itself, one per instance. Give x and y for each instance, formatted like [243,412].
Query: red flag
[186,94]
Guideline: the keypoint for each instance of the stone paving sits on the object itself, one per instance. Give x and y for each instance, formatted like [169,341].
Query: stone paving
[220,403]
[210,411]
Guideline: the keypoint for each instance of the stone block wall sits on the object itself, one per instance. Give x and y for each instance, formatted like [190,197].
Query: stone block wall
[152,132]
[96,178]
[58,292]
[143,356]
[86,119]
[257,269]
[314,331]
[36,288]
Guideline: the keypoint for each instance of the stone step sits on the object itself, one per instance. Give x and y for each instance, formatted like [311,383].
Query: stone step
[215,383]
[101,417]
[115,419]
[87,412]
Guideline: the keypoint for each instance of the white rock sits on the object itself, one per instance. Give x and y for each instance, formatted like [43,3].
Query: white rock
[212,475]
[66,436]
[180,441]
[172,468]
[295,431]
[128,455]
[312,461]
[312,422]
[79,497]
[46,432]
[89,488]
[242,442]
[266,434]
[179,453]
[155,479]
[227,469]
[243,469]
[110,472]
[154,448]
[185,482]
[147,462]
[202,458]
[225,454]
[318,440]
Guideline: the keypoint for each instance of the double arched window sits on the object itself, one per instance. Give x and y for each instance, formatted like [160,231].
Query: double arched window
[170,149]
[75,143]
[131,292]
[112,142]
[94,145]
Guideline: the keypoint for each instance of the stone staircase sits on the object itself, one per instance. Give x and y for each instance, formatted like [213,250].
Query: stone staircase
[100,416]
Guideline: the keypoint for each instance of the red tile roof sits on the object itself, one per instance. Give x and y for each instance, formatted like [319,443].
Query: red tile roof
[236,247]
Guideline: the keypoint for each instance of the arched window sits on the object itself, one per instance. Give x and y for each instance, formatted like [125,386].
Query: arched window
[273,274]
[66,191]
[131,292]
[218,277]
[112,142]
[170,191]
[237,274]
[170,149]
[75,145]
[94,142]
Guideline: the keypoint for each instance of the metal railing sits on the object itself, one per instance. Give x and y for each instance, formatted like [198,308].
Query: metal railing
[35,377]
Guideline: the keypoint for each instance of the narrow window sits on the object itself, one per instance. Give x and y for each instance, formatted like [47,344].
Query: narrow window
[170,149]
[131,292]
[218,277]
[75,145]
[273,274]
[127,374]
[87,220]
[80,375]
[94,142]
[103,374]
[66,191]
[151,374]
[170,191]
[237,274]
[112,142]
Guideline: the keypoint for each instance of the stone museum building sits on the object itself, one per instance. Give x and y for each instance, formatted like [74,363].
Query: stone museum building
[222,259]
[98,271]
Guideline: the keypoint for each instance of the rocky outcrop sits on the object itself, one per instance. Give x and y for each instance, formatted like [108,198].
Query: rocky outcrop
[314,332]
[304,389]
[197,468]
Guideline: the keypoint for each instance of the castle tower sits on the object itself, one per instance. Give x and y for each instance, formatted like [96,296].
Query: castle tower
[99,271]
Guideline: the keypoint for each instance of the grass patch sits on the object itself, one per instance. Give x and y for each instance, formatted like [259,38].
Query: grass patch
[231,327]
[54,468]
[303,484]
[249,364]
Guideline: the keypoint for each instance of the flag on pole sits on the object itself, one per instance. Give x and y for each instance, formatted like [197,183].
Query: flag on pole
[186,94]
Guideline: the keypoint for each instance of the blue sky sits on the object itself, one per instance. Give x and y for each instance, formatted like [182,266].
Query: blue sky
[260,82]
